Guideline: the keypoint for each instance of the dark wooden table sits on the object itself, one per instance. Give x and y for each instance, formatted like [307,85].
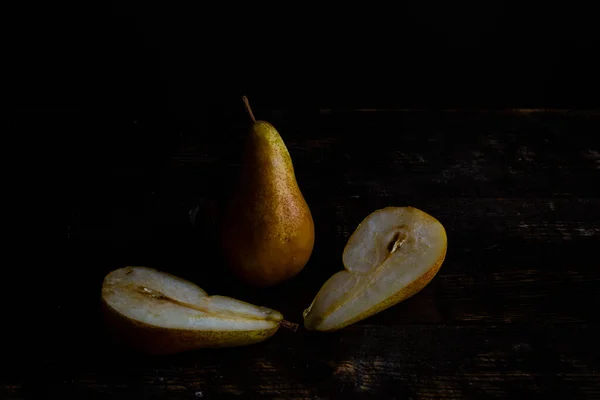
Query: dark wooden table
[513,312]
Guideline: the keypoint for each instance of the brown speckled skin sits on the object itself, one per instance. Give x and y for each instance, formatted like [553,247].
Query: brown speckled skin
[149,339]
[403,294]
[268,231]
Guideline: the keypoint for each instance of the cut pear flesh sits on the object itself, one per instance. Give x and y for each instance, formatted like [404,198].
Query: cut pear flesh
[392,255]
[156,312]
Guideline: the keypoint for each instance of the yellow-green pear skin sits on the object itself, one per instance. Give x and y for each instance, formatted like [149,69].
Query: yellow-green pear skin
[267,233]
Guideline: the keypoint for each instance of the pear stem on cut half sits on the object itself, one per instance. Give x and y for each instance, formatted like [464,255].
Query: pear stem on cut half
[248,108]
[289,325]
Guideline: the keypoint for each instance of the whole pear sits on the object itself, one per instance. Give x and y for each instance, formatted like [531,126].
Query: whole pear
[267,233]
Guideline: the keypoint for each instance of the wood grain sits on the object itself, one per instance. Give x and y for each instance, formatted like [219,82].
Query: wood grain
[363,361]
[511,314]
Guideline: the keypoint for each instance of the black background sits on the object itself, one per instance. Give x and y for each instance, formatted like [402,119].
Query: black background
[188,58]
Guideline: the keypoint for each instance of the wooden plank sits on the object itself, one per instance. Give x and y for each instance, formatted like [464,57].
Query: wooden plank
[418,153]
[509,260]
[511,313]
[369,361]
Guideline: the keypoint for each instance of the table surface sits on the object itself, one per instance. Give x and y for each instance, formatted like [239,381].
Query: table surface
[512,312]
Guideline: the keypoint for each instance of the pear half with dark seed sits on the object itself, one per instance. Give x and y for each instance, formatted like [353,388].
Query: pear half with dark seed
[157,313]
[393,254]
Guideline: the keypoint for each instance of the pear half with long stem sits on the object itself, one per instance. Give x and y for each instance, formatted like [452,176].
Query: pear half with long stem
[158,313]
[393,254]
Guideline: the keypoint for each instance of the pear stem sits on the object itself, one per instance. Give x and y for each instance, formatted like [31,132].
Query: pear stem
[248,108]
[289,325]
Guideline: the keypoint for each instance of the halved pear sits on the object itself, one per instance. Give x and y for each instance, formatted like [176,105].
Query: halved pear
[393,254]
[157,313]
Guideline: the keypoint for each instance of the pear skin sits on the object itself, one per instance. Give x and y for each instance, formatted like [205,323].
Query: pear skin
[267,232]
